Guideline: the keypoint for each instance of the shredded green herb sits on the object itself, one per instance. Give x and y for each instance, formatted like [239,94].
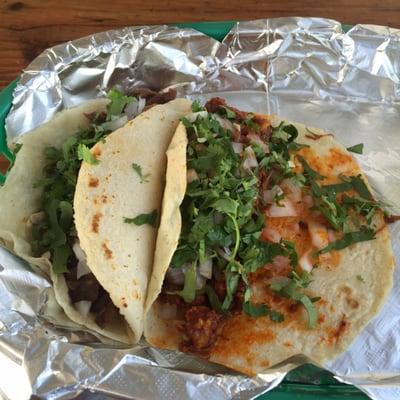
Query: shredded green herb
[85,155]
[143,219]
[348,239]
[54,233]
[144,178]
[357,148]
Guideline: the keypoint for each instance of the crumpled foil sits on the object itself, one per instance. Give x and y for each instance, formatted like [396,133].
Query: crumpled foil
[304,69]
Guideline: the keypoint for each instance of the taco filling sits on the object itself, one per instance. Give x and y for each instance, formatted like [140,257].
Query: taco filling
[261,213]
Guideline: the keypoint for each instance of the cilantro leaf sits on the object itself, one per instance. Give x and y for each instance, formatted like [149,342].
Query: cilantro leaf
[360,278]
[311,311]
[143,219]
[357,148]
[183,255]
[232,281]
[292,287]
[138,169]
[360,186]
[261,310]
[85,155]
[255,310]
[348,239]
[188,293]
[213,298]
[308,171]
[227,206]
[118,102]
[196,106]
[250,122]
[61,255]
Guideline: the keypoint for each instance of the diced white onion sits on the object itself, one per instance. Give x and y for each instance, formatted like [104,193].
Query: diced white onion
[272,235]
[142,104]
[224,122]
[116,123]
[250,160]
[281,261]
[79,253]
[318,234]
[191,175]
[225,253]
[205,268]
[176,276]
[82,267]
[193,116]
[305,261]
[270,195]
[286,209]
[237,147]
[255,139]
[167,310]
[308,201]
[291,190]
[132,109]
[37,217]
[83,307]
[331,236]
[200,281]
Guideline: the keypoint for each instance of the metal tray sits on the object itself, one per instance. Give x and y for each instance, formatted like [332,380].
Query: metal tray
[304,383]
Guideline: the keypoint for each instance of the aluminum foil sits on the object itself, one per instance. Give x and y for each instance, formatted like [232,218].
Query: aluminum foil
[306,70]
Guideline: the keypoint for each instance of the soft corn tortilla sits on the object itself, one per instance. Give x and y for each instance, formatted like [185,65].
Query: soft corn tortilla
[19,200]
[251,345]
[120,254]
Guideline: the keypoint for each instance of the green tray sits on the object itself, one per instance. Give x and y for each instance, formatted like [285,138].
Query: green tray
[304,383]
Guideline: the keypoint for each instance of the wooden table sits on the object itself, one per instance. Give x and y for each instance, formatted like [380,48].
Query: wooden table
[28,27]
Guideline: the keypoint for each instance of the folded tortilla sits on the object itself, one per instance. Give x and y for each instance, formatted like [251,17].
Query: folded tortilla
[128,181]
[19,199]
[352,288]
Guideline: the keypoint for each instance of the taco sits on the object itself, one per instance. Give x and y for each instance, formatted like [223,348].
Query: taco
[36,202]
[117,203]
[270,243]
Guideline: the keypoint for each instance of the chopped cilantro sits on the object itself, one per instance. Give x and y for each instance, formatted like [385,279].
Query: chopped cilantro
[58,185]
[143,219]
[292,287]
[348,239]
[213,298]
[196,106]
[118,102]
[360,278]
[357,148]
[250,122]
[261,310]
[138,169]
[85,155]
[188,293]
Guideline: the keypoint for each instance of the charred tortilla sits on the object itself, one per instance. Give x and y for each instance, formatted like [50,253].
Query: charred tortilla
[270,243]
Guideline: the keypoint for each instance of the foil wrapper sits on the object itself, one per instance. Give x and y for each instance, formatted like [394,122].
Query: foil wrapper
[304,69]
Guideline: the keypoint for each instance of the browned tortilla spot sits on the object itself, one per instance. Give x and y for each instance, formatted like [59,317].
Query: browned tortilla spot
[96,222]
[107,251]
[96,152]
[93,182]
[124,304]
